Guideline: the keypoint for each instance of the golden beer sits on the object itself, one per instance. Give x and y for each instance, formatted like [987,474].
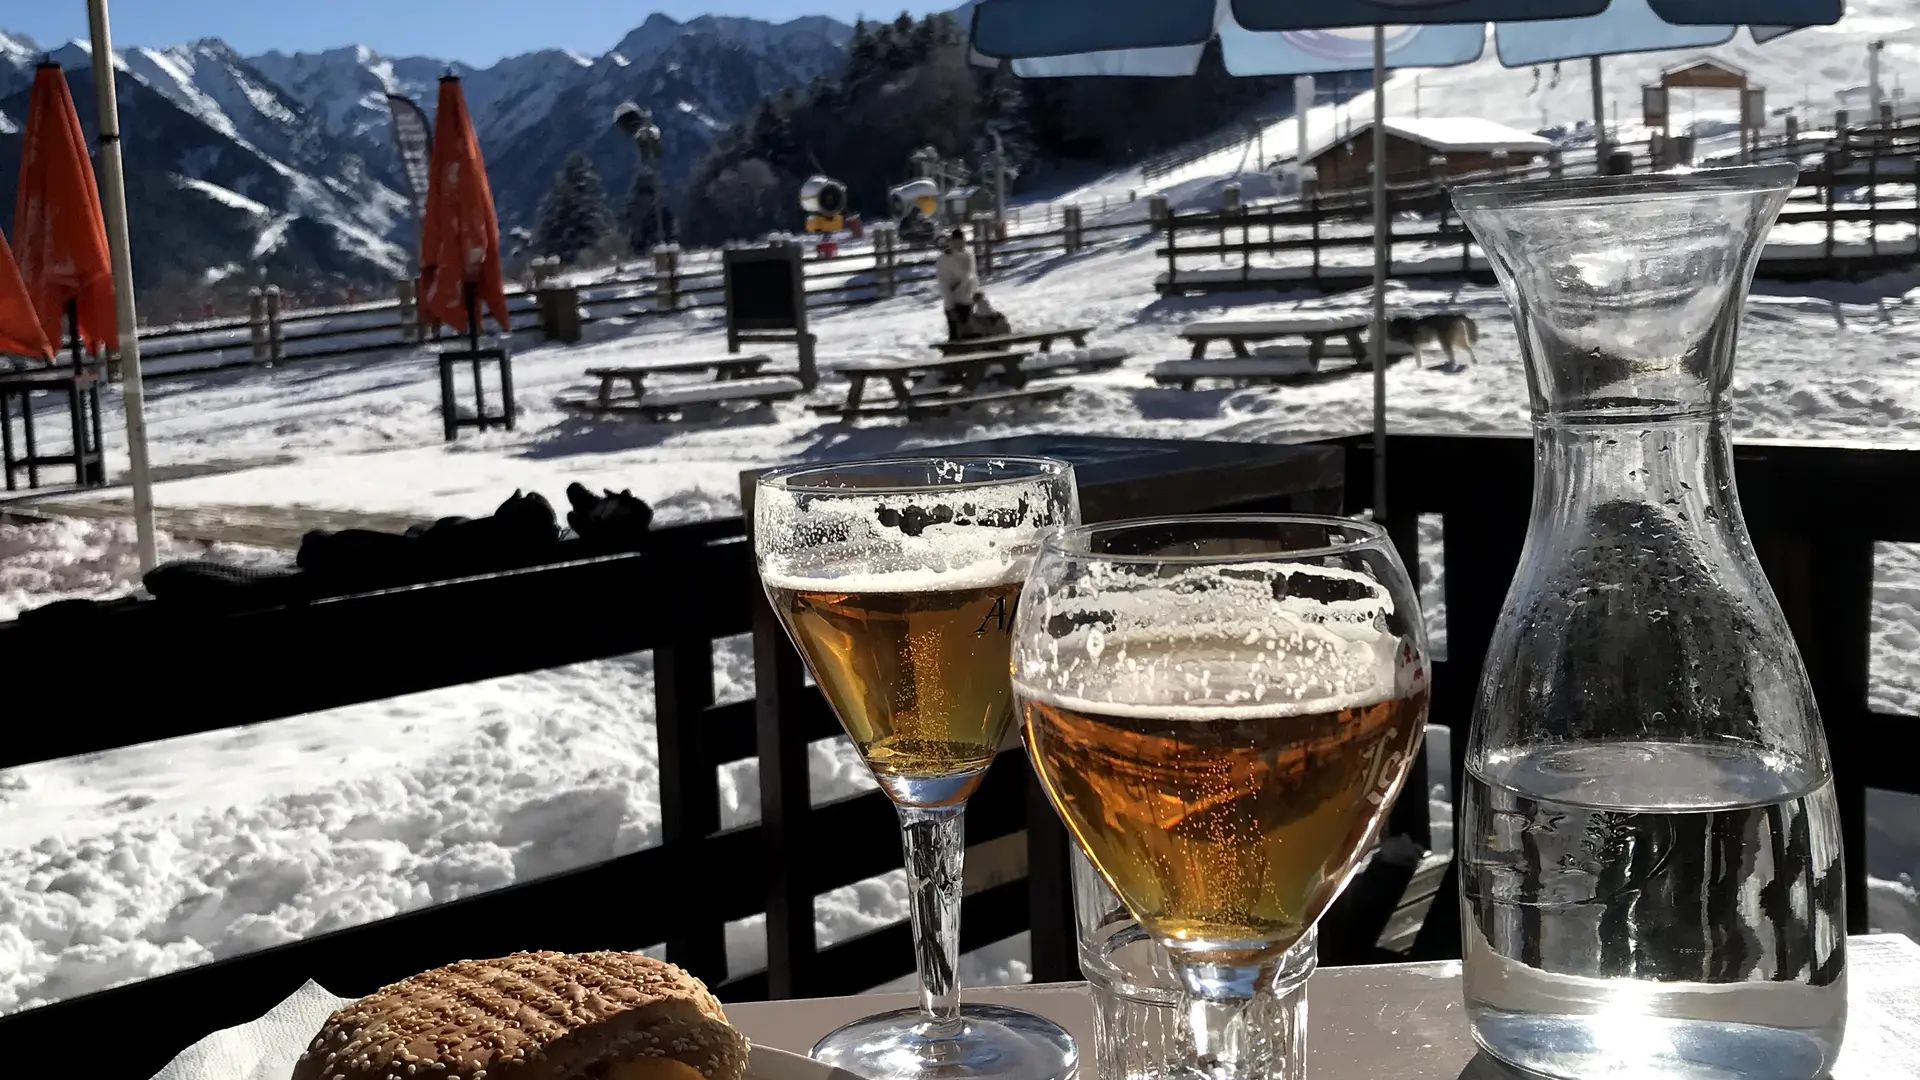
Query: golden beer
[918,678]
[1227,827]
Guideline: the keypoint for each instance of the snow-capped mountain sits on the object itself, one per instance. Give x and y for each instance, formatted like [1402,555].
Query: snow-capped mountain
[280,166]
[532,110]
[224,171]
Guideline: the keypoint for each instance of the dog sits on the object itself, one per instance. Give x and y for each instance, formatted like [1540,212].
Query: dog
[983,321]
[1450,332]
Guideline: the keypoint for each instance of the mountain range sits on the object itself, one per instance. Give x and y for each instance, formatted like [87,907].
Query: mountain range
[280,166]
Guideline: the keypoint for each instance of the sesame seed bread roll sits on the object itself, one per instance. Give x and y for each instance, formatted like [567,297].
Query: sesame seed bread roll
[533,1016]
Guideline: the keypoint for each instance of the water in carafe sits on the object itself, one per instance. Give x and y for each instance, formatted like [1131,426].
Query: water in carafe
[1650,854]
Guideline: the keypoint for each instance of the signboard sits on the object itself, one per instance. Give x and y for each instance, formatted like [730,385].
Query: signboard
[1653,106]
[1756,107]
[765,291]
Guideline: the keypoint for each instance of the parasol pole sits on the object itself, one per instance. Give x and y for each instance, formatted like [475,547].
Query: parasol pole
[113,192]
[1377,340]
[1303,97]
[1599,117]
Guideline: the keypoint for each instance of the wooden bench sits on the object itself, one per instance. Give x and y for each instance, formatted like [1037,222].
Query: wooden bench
[1043,339]
[1262,370]
[1316,328]
[1099,358]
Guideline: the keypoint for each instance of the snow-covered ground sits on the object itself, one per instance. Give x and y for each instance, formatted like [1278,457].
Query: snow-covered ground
[120,865]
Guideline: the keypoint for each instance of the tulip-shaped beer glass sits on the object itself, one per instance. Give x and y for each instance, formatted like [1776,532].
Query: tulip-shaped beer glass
[898,581]
[1222,709]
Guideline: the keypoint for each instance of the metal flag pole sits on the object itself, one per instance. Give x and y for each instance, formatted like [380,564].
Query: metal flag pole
[113,193]
[1377,340]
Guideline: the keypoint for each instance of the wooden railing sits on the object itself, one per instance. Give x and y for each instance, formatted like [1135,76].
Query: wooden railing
[859,277]
[194,672]
[1331,223]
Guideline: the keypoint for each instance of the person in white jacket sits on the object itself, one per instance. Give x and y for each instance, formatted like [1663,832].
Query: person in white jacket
[954,273]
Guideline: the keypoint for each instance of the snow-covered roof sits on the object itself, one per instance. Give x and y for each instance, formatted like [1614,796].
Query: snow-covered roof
[1462,133]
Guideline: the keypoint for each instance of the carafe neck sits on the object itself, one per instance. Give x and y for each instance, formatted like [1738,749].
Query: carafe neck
[1639,481]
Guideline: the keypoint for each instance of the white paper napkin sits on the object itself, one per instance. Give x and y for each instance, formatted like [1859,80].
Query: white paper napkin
[264,1049]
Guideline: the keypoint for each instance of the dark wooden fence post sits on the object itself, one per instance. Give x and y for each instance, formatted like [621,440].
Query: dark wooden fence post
[785,799]
[276,344]
[404,291]
[666,271]
[1053,956]
[257,324]
[1173,252]
[689,786]
[1873,205]
[1832,179]
[886,235]
[1310,195]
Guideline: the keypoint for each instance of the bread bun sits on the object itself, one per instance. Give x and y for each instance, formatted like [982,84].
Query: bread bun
[533,1016]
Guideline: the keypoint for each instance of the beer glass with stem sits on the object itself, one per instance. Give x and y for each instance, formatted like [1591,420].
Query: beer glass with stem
[898,581]
[1222,710]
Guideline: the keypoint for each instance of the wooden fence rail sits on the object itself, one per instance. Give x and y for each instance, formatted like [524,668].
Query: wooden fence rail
[836,281]
[1343,222]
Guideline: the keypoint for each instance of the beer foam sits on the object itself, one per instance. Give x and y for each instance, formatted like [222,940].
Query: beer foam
[980,575]
[922,541]
[1213,642]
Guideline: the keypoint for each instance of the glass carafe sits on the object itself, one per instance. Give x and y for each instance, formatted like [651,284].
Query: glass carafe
[1651,868]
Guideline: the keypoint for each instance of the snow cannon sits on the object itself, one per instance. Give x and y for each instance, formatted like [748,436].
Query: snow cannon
[639,126]
[825,201]
[915,205]
[922,196]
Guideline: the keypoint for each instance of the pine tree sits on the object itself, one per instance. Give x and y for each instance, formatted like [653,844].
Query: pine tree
[574,218]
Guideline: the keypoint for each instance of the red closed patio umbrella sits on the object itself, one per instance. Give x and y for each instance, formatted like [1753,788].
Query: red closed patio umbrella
[20,332]
[59,236]
[460,235]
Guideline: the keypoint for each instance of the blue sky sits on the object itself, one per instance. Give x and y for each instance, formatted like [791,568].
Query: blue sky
[476,31]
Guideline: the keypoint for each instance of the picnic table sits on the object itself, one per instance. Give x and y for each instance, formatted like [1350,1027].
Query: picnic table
[735,378]
[1316,327]
[1399,1021]
[1043,339]
[914,396]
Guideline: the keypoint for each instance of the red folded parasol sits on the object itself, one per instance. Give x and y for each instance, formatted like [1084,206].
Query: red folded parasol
[59,239]
[460,236]
[20,332]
